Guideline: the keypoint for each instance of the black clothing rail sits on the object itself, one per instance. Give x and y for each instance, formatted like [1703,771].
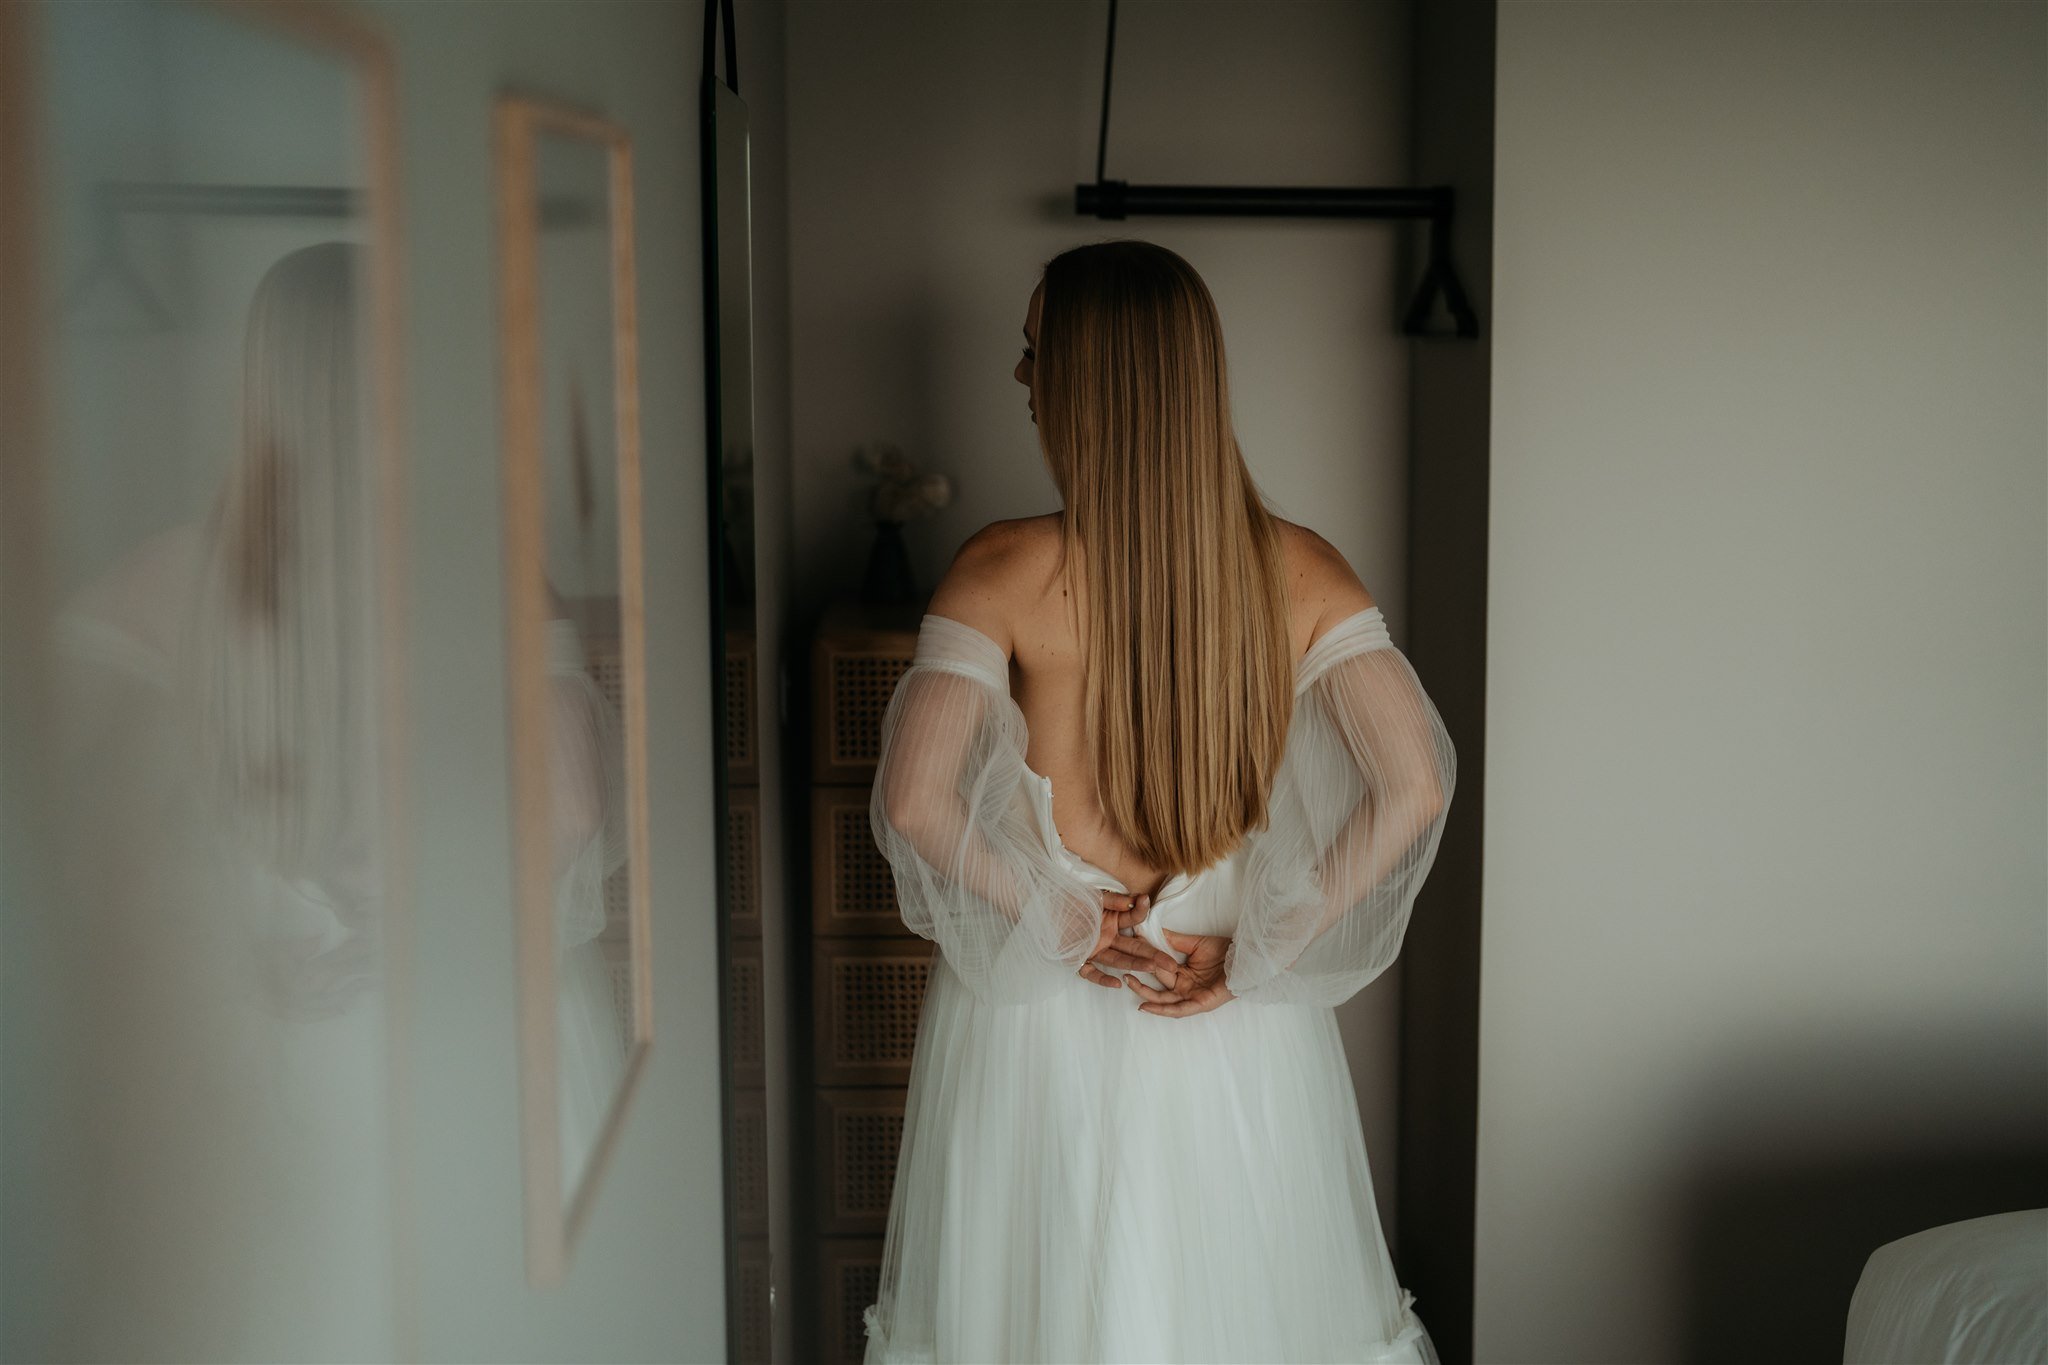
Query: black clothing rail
[1117,199]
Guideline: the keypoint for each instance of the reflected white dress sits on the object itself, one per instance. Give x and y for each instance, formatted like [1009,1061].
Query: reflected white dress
[219,1149]
[586,769]
[1082,1181]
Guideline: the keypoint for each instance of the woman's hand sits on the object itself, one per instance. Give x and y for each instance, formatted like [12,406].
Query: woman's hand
[1194,986]
[1114,947]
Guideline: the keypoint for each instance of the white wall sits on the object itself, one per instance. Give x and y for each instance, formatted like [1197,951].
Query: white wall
[934,150]
[1765,920]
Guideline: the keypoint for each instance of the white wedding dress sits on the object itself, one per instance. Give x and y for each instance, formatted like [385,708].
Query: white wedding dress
[1078,1180]
[586,783]
[224,1180]
[231,1195]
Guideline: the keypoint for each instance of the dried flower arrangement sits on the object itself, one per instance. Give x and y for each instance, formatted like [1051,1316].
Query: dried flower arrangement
[901,493]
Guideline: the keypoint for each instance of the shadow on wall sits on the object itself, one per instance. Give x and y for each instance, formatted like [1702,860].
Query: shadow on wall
[1772,1245]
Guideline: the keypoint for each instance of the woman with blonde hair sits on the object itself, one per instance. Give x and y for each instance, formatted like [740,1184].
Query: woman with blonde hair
[221,869]
[1162,791]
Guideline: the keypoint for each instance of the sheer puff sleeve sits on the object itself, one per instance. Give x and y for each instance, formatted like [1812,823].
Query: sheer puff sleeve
[1357,807]
[950,810]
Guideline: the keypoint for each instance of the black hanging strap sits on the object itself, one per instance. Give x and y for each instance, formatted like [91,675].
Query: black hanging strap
[712,9]
[1108,56]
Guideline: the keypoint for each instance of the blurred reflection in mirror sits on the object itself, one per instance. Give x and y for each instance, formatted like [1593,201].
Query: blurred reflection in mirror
[222,828]
[198,1110]
[586,787]
[587,753]
[248,630]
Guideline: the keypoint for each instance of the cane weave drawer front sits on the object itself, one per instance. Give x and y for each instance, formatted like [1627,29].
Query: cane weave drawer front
[742,700]
[849,1277]
[852,890]
[597,624]
[750,1161]
[618,965]
[867,994]
[750,1302]
[859,1132]
[742,853]
[868,978]
[748,1010]
[853,676]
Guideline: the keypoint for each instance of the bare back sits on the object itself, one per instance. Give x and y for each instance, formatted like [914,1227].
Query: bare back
[1007,583]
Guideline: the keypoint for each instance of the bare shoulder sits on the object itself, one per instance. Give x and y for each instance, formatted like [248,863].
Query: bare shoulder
[1320,582]
[997,573]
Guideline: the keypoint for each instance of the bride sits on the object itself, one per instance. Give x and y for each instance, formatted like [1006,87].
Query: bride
[1162,791]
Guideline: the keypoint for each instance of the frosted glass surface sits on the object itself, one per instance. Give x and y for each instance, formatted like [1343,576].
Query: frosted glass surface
[209,1107]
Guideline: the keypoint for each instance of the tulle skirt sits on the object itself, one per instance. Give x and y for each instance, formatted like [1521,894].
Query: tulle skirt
[590,1051]
[1080,1181]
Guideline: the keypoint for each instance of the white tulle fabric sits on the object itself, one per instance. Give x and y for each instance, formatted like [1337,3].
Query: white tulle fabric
[586,786]
[219,1061]
[1081,1181]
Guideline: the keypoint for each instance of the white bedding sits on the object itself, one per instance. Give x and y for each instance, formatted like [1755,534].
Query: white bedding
[1974,1291]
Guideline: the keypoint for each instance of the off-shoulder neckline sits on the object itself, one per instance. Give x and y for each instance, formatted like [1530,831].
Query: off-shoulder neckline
[1300,665]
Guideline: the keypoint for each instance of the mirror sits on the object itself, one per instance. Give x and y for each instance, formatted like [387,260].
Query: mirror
[203,925]
[737,693]
[576,689]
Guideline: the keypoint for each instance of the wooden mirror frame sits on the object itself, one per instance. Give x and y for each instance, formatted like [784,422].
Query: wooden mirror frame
[554,1217]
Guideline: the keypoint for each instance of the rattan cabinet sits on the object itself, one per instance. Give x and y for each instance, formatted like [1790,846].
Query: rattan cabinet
[868,972]
[746,1003]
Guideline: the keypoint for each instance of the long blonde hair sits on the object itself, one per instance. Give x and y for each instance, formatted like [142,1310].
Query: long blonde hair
[277,662]
[1189,674]
[279,645]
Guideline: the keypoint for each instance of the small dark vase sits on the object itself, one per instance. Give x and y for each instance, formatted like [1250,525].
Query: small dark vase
[888,582]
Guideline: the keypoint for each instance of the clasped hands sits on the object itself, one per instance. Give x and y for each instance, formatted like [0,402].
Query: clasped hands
[1190,987]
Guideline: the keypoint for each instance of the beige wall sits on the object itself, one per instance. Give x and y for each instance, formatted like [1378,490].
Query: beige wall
[1765,920]
[934,150]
